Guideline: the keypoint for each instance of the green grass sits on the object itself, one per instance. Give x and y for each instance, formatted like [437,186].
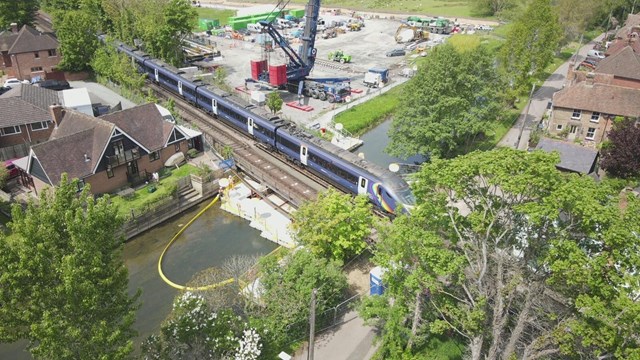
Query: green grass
[216,14]
[143,199]
[367,115]
[451,8]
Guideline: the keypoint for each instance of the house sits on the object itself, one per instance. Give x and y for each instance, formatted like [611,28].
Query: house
[573,157]
[25,119]
[117,150]
[584,111]
[27,53]
[624,66]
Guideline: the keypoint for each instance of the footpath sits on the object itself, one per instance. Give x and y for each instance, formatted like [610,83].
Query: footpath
[539,101]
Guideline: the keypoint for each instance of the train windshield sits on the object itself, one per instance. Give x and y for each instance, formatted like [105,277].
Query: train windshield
[405,196]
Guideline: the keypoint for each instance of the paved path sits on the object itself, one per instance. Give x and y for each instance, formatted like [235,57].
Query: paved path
[353,340]
[539,102]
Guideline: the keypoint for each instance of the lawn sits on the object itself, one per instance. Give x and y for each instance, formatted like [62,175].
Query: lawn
[143,199]
[365,116]
[451,8]
[215,14]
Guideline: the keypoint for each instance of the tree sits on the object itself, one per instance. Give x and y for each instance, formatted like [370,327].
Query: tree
[531,44]
[4,176]
[116,67]
[620,153]
[274,102]
[20,12]
[64,283]
[283,308]
[76,32]
[492,7]
[576,15]
[514,258]
[452,101]
[334,226]
[193,331]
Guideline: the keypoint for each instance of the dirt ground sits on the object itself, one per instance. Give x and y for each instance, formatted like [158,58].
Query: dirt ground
[358,274]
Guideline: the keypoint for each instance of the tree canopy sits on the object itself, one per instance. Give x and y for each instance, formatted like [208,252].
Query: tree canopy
[76,31]
[20,12]
[531,43]
[621,153]
[513,258]
[64,283]
[334,226]
[451,102]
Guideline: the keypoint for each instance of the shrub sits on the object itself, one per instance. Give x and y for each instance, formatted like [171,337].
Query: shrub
[192,153]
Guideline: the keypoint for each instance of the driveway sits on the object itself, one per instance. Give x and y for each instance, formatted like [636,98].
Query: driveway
[539,101]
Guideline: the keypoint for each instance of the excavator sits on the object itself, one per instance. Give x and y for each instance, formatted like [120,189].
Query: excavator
[407,33]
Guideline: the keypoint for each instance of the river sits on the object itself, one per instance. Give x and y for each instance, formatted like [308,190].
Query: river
[375,142]
[212,238]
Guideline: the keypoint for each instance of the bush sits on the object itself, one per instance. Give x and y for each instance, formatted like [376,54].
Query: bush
[192,153]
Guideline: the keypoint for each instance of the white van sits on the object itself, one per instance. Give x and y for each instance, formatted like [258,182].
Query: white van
[595,54]
[254,28]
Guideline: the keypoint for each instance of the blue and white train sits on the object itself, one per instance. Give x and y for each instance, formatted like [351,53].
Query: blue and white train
[343,169]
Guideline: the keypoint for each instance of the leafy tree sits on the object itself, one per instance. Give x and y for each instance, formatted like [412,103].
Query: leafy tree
[193,331]
[451,102]
[287,287]
[620,153]
[492,7]
[20,12]
[515,258]
[531,43]
[4,176]
[116,67]
[334,226]
[274,102]
[64,283]
[576,15]
[76,32]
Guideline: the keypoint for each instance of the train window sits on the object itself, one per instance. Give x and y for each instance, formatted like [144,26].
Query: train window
[304,151]
[288,144]
[363,182]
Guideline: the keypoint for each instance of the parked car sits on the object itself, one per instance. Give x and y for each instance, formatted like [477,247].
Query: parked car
[13,81]
[11,168]
[595,54]
[395,52]
[4,89]
[56,85]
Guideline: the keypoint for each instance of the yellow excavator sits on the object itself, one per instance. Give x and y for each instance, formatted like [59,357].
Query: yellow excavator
[407,33]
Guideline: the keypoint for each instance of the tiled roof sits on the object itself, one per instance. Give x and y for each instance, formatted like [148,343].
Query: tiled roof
[26,104]
[621,44]
[606,99]
[625,63]
[7,38]
[78,134]
[573,157]
[30,39]
[144,123]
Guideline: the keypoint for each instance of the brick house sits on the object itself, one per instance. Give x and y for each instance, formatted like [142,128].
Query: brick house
[110,152]
[624,66]
[25,119]
[27,53]
[584,111]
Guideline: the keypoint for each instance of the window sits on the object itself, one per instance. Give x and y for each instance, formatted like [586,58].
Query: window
[154,155]
[573,129]
[595,116]
[576,114]
[109,171]
[39,126]
[177,147]
[36,69]
[80,184]
[559,127]
[591,134]
[36,55]
[52,52]
[9,130]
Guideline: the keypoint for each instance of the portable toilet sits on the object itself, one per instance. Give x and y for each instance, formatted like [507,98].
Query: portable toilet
[375,281]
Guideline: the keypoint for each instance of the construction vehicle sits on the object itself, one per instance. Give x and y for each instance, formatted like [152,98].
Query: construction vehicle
[330,33]
[376,77]
[339,56]
[354,26]
[301,62]
[407,33]
[441,26]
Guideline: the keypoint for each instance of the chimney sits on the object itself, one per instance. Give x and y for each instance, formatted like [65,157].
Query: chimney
[590,79]
[57,112]
[14,28]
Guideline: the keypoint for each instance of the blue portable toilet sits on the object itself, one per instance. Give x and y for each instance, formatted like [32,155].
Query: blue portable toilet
[375,281]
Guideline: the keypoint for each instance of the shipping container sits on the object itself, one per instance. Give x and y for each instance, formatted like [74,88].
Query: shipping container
[277,74]
[257,68]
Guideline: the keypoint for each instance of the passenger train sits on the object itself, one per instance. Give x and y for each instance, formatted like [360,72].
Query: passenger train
[343,169]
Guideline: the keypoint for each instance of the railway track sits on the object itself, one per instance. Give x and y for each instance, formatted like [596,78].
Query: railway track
[294,186]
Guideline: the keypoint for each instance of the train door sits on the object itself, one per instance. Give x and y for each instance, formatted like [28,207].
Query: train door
[250,125]
[155,73]
[303,154]
[214,106]
[362,186]
[180,87]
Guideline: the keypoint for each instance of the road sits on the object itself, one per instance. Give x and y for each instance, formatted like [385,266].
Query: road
[539,100]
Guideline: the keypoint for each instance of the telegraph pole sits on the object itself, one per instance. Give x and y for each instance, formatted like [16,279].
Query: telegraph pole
[526,114]
[312,324]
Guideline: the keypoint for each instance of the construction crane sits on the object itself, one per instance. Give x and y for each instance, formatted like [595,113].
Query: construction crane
[301,62]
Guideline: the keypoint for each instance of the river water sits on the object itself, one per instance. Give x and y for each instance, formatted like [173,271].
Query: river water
[212,238]
[375,142]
